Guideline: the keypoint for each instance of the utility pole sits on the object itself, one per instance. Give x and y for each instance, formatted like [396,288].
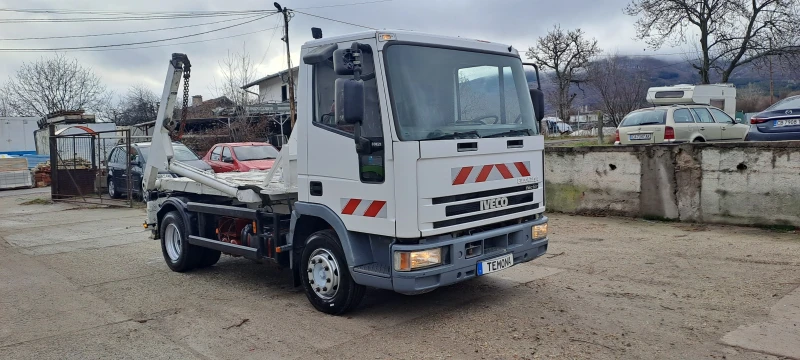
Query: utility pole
[292,108]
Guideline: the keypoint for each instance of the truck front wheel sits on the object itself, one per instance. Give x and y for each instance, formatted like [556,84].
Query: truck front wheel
[178,253]
[326,278]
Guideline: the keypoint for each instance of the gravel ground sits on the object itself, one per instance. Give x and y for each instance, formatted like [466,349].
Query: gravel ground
[88,283]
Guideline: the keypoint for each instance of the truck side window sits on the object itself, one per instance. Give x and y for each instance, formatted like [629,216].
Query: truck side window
[324,97]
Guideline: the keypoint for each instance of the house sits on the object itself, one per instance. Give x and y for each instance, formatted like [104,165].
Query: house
[274,88]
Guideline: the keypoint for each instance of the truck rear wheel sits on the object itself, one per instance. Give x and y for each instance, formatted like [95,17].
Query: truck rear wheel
[326,277]
[178,253]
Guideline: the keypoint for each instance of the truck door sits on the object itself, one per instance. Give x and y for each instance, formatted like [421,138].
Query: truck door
[358,187]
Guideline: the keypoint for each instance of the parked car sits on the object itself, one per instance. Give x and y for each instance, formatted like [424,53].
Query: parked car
[242,157]
[678,123]
[117,179]
[781,121]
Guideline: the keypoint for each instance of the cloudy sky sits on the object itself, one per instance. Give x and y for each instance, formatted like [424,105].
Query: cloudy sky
[516,22]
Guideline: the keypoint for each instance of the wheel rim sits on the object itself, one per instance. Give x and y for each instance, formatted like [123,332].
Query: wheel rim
[111,191]
[172,242]
[323,273]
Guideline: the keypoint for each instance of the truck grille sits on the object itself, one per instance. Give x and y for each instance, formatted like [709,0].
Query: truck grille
[453,210]
[481,194]
[477,217]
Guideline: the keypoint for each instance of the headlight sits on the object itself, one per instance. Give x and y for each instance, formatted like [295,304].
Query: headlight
[539,231]
[412,260]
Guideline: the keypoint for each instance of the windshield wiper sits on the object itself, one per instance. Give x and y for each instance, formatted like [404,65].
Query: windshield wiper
[455,135]
[650,123]
[510,133]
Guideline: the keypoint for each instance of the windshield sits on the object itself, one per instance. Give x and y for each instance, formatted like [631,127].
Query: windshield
[645,117]
[182,153]
[444,93]
[246,153]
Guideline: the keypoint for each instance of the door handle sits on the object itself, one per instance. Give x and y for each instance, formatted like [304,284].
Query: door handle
[315,188]
[702,128]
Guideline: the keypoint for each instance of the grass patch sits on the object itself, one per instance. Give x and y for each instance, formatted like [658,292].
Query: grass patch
[37,201]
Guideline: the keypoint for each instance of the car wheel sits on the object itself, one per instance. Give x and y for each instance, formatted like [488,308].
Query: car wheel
[178,253]
[698,140]
[112,190]
[326,278]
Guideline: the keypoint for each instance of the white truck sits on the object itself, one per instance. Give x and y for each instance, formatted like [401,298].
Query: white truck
[415,163]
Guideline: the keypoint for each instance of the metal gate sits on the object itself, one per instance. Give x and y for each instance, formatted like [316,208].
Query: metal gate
[79,167]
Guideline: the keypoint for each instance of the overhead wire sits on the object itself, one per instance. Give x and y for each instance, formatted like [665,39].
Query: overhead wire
[175,44]
[127,32]
[270,42]
[340,5]
[133,18]
[132,43]
[334,20]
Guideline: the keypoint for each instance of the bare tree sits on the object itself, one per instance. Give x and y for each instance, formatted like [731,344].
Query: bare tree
[731,33]
[751,99]
[236,70]
[566,53]
[54,84]
[621,84]
[139,105]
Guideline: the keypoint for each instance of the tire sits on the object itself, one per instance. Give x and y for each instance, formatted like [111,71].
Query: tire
[179,255]
[698,140]
[330,265]
[208,257]
[112,190]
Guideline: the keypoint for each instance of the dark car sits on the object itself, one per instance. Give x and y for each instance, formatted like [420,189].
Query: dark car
[117,161]
[781,121]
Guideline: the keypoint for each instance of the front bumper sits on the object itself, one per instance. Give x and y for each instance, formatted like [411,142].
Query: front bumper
[458,267]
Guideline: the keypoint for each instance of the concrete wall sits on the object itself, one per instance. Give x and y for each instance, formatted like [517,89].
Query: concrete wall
[734,183]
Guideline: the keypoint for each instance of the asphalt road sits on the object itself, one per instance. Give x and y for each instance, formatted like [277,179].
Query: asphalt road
[88,283]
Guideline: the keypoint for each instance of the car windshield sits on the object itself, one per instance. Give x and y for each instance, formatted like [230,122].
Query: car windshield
[645,117]
[788,103]
[256,152]
[182,153]
[445,93]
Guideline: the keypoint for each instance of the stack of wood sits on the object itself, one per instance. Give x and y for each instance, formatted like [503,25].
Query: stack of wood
[41,174]
[75,163]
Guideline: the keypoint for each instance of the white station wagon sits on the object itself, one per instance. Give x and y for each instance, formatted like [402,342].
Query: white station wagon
[678,124]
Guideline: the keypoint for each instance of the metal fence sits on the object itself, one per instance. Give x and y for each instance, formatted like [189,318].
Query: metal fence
[79,167]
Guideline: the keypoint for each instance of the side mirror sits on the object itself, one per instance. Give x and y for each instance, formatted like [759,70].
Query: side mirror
[343,62]
[227,159]
[537,96]
[349,101]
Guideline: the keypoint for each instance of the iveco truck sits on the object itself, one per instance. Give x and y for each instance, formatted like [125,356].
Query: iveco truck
[415,162]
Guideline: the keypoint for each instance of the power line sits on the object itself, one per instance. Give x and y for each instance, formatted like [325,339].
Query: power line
[334,20]
[175,44]
[270,42]
[339,5]
[122,12]
[127,32]
[133,18]
[134,43]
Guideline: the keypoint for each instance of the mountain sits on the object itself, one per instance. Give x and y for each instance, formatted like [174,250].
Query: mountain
[665,73]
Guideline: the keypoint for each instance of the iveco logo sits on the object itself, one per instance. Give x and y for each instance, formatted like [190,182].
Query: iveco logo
[788,112]
[495,203]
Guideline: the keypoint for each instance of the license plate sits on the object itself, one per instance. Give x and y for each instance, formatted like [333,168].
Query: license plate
[639,136]
[788,122]
[496,264]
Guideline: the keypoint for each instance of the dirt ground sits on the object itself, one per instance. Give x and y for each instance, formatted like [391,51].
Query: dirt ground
[88,283]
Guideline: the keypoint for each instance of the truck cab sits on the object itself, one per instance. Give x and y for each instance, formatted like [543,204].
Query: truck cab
[455,161]
[415,162]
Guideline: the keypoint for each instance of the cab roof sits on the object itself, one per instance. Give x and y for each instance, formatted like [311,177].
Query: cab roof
[417,37]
